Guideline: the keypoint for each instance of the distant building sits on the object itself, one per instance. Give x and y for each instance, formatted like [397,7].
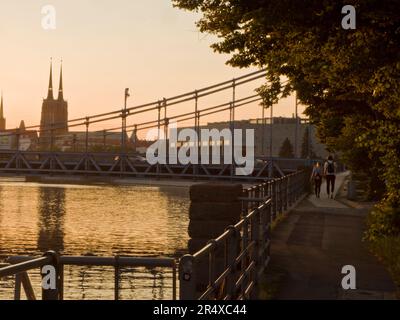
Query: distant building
[98,141]
[282,128]
[54,118]
[19,139]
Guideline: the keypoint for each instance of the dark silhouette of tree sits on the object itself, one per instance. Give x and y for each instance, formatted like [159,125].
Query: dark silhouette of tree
[349,79]
[307,150]
[286,150]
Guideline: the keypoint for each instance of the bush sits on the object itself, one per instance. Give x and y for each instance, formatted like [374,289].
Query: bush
[383,220]
[383,236]
[387,249]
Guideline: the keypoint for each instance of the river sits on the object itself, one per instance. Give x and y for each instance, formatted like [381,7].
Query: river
[95,220]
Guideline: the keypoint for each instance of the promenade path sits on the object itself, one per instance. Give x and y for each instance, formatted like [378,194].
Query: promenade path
[316,240]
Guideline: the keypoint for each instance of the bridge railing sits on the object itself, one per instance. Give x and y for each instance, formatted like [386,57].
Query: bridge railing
[130,165]
[21,265]
[243,249]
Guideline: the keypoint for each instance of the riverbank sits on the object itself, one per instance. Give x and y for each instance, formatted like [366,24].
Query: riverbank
[109,181]
[82,180]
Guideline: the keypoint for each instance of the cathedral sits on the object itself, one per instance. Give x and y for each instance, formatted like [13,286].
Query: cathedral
[54,119]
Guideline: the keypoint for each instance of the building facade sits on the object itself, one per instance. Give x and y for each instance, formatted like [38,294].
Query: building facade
[270,135]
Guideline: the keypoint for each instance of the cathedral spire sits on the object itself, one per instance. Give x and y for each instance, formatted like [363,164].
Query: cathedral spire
[1,107]
[50,95]
[2,119]
[61,89]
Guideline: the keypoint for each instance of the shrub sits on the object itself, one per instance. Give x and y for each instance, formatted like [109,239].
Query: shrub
[383,220]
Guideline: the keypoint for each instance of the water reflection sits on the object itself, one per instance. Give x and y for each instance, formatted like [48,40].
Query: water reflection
[51,209]
[100,220]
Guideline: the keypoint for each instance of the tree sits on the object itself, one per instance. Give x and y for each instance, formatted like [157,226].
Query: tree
[286,150]
[341,75]
[307,150]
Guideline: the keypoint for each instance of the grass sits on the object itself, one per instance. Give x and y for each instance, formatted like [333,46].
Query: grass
[387,250]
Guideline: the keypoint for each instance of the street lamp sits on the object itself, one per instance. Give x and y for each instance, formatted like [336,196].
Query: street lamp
[127,95]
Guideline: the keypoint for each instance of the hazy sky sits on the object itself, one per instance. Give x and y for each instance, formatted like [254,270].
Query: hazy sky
[108,45]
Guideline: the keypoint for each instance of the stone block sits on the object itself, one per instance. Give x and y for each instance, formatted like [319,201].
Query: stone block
[215,192]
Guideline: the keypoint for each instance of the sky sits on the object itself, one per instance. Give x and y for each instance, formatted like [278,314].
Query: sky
[107,46]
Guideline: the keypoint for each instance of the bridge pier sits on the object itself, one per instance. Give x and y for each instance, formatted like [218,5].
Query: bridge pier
[214,207]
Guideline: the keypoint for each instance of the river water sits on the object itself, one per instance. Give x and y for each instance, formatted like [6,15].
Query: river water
[95,220]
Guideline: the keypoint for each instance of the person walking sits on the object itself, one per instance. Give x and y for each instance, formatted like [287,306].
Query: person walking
[330,175]
[316,176]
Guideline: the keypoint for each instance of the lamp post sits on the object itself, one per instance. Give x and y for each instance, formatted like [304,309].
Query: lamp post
[296,138]
[270,167]
[124,113]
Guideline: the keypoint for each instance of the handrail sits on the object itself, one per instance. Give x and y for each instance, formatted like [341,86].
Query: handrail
[244,246]
[23,264]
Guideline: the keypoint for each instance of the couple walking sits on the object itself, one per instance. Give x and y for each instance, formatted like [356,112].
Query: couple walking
[329,172]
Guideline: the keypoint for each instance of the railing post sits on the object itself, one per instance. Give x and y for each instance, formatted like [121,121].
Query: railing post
[116,278]
[273,199]
[245,243]
[258,194]
[266,234]
[255,235]
[187,278]
[17,287]
[245,204]
[297,186]
[284,207]
[212,272]
[52,293]
[280,196]
[293,188]
[232,252]
[290,190]
[174,281]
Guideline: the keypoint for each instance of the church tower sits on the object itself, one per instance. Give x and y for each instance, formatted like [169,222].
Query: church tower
[54,119]
[2,119]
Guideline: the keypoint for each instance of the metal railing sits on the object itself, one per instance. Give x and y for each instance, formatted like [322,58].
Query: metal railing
[20,265]
[243,250]
[100,164]
[234,262]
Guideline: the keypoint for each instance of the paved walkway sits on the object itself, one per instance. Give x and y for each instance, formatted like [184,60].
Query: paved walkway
[316,240]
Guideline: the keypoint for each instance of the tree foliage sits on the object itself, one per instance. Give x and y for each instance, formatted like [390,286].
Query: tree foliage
[307,150]
[286,150]
[349,79]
